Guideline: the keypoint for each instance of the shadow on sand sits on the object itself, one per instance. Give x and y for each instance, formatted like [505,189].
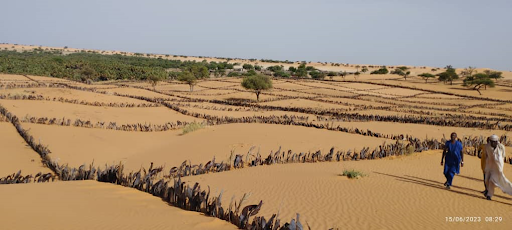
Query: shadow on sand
[439,185]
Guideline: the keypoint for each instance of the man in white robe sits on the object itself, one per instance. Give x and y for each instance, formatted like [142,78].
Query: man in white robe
[494,176]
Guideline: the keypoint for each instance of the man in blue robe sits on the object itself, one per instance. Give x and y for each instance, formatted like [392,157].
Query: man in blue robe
[453,158]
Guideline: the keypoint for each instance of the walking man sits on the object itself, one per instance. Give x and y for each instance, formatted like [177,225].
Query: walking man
[494,176]
[453,158]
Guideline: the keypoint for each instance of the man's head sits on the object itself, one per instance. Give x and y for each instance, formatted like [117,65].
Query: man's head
[453,136]
[494,139]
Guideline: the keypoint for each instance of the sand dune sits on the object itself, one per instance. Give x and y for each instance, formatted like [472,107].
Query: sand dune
[93,205]
[71,94]
[53,109]
[140,92]
[304,103]
[77,146]
[397,193]
[417,130]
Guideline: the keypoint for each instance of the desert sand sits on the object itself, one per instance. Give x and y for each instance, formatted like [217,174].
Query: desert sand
[404,192]
[93,205]
[395,194]
[16,155]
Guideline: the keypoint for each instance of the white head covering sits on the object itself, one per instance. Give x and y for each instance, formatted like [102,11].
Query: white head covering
[494,138]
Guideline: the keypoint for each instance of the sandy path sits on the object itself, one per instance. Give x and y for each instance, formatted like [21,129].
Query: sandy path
[93,205]
[401,193]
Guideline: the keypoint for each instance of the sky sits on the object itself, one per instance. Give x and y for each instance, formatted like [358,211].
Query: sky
[437,33]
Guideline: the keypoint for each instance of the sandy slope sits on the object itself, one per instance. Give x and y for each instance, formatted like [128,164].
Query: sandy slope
[16,155]
[401,193]
[93,205]
[417,130]
[73,95]
[55,109]
[81,145]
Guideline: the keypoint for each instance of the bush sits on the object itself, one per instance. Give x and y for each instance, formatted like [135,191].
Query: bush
[382,70]
[317,75]
[353,174]
[234,74]
[191,127]
[248,66]
[281,74]
[332,74]
[275,68]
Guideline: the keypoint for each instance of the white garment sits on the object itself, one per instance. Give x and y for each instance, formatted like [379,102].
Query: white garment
[494,176]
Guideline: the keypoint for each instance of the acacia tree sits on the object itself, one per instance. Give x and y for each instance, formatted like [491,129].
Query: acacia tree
[449,75]
[478,81]
[467,72]
[426,76]
[356,75]
[343,74]
[402,71]
[364,69]
[156,77]
[257,83]
[493,74]
[188,78]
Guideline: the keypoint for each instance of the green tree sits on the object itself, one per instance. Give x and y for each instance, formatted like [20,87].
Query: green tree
[281,74]
[292,69]
[478,81]
[494,74]
[382,70]
[87,73]
[251,72]
[356,75]
[449,75]
[468,71]
[426,76]
[275,68]
[233,74]
[401,71]
[257,83]
[188,78]
[248,66]
[156,77]
[343,74]
[317,75]
[199,71]
[301,71]
[219,72]
[364,69]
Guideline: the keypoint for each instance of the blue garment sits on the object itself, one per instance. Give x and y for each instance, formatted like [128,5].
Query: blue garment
[452,160]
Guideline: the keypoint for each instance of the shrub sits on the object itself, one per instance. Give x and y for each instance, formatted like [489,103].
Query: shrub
[191,127]
[248,66]
[382,70]
[353,174]
[233,74]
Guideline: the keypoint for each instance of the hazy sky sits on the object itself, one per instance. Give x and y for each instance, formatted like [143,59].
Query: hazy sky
[387,32]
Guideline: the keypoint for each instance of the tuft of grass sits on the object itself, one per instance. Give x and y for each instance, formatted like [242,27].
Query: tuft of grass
[353,174]
[409,150]
[191,127]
